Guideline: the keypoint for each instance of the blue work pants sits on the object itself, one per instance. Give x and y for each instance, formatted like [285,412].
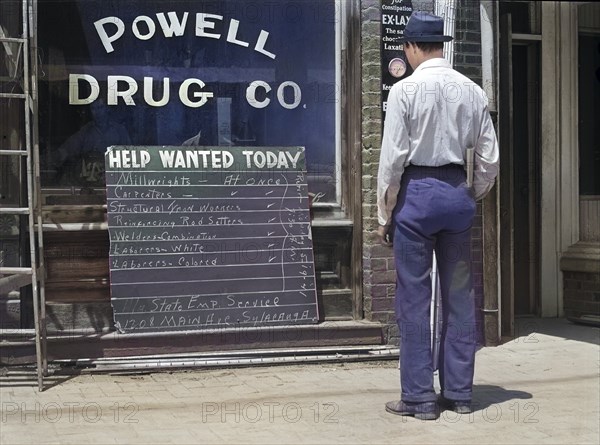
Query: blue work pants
[435,211]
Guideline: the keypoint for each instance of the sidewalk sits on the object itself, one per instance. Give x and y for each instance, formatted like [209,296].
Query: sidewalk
[542,387]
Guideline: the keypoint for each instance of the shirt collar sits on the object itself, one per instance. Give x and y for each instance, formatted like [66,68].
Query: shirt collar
[434,63]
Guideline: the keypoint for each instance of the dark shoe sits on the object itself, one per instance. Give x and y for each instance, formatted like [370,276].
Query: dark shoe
[419,410]
[458,406]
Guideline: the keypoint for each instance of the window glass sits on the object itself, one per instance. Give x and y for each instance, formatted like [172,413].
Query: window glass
[524,15]
[148,72]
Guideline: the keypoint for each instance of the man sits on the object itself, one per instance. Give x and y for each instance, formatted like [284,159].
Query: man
[435,117]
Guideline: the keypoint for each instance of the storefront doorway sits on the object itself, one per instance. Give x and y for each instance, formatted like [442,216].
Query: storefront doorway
[520,153]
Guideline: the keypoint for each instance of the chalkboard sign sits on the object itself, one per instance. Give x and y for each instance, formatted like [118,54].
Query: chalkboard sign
[394,65]
[209,237]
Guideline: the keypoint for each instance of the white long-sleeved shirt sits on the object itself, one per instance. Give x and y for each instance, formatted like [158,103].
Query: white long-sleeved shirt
[433,117]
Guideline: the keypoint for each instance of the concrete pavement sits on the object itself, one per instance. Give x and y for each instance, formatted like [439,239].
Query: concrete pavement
[542,387]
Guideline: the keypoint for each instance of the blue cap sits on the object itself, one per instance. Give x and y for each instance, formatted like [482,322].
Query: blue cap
[424,27]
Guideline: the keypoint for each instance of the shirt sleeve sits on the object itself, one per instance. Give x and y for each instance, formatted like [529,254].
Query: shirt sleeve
[486,159]
[394,150]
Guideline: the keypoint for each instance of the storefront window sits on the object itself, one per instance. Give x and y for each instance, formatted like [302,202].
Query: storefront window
[146,72]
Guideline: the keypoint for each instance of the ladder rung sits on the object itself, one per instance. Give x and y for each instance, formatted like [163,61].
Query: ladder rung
[73,227]
[13,95]
[14,152]
[12,39]
[16,270]
[14,210]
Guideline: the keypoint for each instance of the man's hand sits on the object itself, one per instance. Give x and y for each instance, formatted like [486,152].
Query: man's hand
[383,232]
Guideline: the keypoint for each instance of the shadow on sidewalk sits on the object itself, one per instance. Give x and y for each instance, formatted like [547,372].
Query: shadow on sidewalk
[527,328]
[485,396]
[24,376]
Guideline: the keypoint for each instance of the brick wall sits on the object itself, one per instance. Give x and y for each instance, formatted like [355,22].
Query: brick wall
[467,60]
[467,43]
[378,264]
[379,275]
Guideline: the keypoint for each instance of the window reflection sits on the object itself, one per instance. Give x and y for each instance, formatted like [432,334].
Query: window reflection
[186,73]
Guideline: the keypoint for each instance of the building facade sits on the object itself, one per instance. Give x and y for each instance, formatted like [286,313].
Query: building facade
[306,73]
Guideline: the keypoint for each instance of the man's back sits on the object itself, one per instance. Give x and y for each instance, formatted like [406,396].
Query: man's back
[433,117]
[444,110]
